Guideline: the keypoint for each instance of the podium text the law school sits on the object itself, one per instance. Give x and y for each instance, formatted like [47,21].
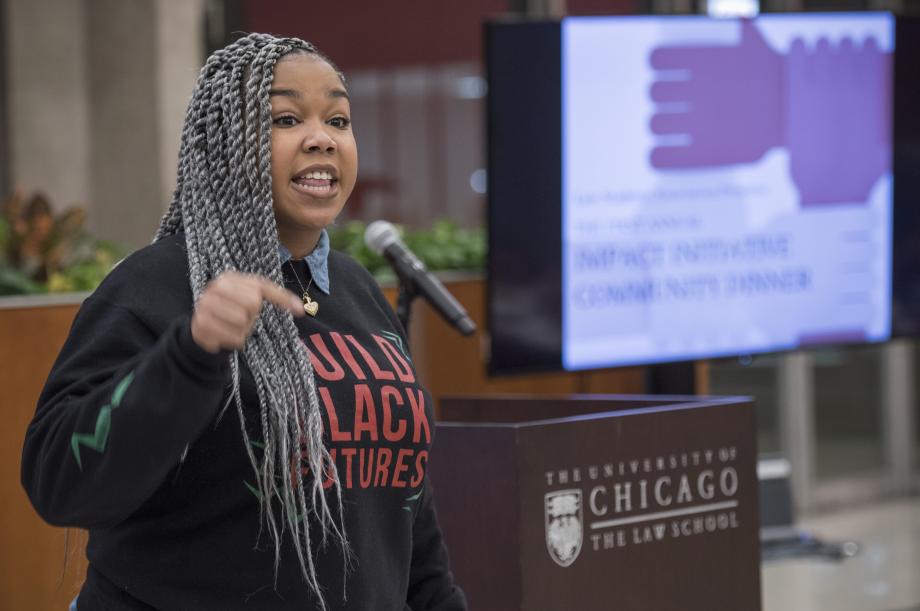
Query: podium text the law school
[599,502]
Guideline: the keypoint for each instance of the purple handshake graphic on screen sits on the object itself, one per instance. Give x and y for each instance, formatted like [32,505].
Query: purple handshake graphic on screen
[828,104]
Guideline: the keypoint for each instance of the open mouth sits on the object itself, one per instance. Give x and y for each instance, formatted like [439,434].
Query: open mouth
[318,183]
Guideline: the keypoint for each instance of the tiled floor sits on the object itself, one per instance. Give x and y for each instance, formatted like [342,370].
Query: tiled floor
[884,576]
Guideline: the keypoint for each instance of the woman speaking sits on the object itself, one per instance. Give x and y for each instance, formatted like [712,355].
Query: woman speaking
[234,416]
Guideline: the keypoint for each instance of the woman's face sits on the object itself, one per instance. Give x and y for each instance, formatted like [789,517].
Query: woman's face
[314,157]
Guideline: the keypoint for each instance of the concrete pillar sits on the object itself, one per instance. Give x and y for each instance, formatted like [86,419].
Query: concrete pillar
[124,152]
[98,91]
[899,403]
[795,380]
[48,104]
[181,53]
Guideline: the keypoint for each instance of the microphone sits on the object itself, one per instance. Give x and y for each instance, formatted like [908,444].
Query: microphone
[382,238]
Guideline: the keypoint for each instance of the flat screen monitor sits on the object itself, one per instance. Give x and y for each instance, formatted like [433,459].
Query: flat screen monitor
[676,188]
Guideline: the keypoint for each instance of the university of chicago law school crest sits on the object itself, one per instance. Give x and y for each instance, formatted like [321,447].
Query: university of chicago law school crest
[563,525]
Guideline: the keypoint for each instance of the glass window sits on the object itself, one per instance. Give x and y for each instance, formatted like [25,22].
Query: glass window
[848,410]
[756,377]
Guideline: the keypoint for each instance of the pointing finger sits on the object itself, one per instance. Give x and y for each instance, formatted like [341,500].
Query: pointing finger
[283,298]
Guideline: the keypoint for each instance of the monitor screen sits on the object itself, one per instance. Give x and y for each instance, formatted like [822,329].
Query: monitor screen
[676,188]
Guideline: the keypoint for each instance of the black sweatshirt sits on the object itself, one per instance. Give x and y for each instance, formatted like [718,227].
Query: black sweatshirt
[127,442]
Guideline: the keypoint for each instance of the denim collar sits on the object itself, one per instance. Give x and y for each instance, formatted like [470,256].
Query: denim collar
[317,261]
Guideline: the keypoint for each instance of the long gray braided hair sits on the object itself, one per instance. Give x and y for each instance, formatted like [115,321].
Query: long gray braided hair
[223,203]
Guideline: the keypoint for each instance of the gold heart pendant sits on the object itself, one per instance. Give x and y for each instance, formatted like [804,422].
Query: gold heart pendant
[311,308]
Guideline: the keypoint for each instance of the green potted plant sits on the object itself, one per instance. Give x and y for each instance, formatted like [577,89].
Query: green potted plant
[41,251]
[444,247]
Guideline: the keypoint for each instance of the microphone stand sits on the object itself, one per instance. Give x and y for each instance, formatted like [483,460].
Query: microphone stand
[406,293]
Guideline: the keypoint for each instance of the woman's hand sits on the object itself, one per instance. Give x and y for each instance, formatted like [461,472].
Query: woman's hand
[229,306]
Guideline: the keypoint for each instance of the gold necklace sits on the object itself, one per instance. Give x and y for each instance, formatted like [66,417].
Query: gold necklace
[309,306]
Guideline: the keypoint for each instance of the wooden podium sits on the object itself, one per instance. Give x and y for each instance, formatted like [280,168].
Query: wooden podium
[600,502]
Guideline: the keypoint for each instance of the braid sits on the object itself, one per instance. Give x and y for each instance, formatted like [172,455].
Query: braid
[223,203]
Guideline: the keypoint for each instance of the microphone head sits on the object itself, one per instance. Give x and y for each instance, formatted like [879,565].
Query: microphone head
[379,235]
